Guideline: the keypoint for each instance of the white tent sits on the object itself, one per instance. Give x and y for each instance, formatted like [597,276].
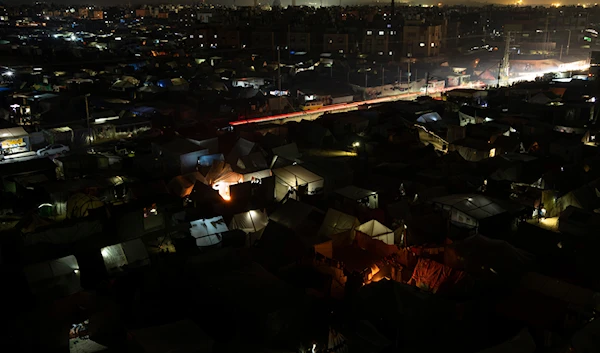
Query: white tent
[336,222]
[252,223]
[376,230]
[208,231]
[132,253]
[299,178]
[59,276]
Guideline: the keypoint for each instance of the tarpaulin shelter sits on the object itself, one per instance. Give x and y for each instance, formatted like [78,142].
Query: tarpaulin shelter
[252,222]
[208,231]
[182,336]
[376,230]
[178,84]
[358,195]
[336,222]
[54,278]
[80,204]
[298,178]
[125,83]
[432,276]
[182,185]
[130,253]
[429,118]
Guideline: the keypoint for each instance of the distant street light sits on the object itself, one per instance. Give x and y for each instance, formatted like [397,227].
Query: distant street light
[9,73]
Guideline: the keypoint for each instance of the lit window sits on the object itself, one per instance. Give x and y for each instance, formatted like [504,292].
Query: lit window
[391,53]
[369,33]
[201,36]
[381,33]
[215,36]
[421,44]
[432,44]
[380,53]
[191,36]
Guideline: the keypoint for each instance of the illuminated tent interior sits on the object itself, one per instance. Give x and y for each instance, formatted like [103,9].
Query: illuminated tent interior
[55,278]
[252,222]
[220,176]
[80,204]
[299,178]
[376,230]
[208,231]
[131,254]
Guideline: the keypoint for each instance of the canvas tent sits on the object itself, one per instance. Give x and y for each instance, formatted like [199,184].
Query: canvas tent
[54,278]
[337,222]
[432,276]
[359,195]
[252,223]
[298,178]
[376,230]
[208,231]
[130,253]
[468,209]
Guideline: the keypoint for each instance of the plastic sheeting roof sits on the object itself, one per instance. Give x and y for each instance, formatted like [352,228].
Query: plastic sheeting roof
[429,118]
[476,206]
[207,231]
[336,222]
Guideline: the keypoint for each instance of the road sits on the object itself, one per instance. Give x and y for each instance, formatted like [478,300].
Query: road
[335,108]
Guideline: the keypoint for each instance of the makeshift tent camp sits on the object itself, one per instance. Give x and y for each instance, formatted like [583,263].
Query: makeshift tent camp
[336,222]
[208,231]
[54,278]
[182,336]
[376,230]
[252,223]
[298,178]
[80,204]
[467,210]
[221,176]
[130,253]
[182,185]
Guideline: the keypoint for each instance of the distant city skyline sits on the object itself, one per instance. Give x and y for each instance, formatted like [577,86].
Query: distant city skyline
[285,3]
